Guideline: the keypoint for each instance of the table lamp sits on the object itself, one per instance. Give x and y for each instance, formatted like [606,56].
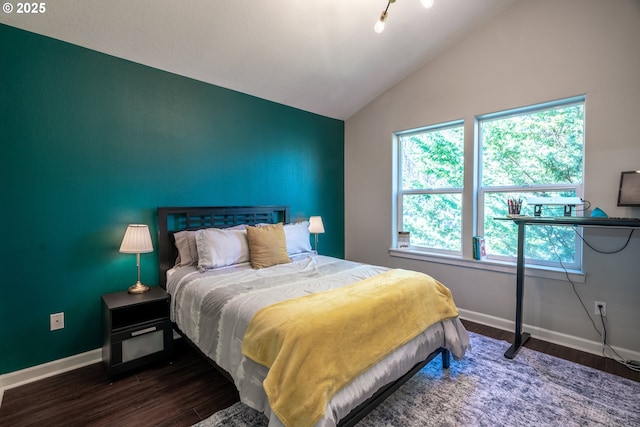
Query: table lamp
[137,240]
[316,226]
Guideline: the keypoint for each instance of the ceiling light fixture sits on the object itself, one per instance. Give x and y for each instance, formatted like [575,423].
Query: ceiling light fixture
[379,27]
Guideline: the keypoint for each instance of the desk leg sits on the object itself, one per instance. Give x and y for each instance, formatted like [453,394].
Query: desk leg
[520,338]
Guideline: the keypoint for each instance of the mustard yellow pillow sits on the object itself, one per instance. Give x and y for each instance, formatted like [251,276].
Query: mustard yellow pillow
[267,245]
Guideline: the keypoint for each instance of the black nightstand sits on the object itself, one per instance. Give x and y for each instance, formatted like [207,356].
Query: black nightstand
[136,330]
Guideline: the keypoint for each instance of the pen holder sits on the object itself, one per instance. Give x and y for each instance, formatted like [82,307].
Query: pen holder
[514,206]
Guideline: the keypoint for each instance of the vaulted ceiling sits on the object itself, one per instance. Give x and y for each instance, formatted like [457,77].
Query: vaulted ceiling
[317,55]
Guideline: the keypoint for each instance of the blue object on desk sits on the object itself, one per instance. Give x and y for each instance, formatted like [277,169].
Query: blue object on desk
[599,213]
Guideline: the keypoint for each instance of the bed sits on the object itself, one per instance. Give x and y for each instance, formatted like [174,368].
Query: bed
[207,296]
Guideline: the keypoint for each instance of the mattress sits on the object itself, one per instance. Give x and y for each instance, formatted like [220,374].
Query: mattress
[214,308]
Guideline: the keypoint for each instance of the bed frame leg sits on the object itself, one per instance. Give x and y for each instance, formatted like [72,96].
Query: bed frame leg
[446,358]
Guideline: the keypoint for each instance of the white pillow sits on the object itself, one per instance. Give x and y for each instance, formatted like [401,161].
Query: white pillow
[187,249]
[297,236]
[221,247]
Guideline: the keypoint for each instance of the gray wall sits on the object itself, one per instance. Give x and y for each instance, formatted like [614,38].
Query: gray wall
[535,51]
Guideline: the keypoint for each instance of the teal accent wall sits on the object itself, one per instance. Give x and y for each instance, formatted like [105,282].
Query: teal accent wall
[92,143]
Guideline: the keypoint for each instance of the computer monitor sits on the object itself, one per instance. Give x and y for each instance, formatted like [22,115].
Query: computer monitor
[629,193]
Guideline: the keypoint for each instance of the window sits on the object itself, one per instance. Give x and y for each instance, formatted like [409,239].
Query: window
[534,151]
[430,184]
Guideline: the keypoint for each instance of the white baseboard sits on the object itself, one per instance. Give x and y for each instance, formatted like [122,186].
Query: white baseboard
[35,373]
[588,346]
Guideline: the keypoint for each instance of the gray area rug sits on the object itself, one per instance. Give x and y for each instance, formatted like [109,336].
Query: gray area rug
[486,389]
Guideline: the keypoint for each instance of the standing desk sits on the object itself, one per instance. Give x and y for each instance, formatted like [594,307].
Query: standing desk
[522,221]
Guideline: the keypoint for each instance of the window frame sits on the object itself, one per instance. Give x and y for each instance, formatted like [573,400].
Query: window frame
[473,194]
[400,193]
[480,191]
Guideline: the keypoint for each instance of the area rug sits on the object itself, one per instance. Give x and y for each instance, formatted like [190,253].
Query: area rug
[486,389]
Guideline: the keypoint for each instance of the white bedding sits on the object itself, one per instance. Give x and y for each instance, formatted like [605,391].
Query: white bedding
[214,309]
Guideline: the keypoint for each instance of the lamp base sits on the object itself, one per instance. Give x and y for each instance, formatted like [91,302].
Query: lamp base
[138,288]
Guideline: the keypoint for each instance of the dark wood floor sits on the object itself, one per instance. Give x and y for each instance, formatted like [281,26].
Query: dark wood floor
[180,394]
[587,359]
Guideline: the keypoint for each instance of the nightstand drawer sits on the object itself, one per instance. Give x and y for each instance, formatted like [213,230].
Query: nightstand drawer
[142,345]
[135,347]
[136,330]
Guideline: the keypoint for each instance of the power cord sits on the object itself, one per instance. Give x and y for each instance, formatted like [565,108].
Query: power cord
[630,364]
[605,252]
[604,327]
[556,237]
[585,207]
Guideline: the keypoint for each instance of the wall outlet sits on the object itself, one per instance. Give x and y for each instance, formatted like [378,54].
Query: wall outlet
[57,321]
[596,308]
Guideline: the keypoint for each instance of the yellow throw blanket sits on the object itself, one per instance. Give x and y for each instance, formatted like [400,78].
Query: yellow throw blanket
[316,344]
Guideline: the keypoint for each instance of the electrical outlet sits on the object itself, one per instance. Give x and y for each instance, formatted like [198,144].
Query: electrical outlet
[596,309]
[57,321]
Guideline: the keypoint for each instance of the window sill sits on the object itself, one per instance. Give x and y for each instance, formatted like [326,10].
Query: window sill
[545,272]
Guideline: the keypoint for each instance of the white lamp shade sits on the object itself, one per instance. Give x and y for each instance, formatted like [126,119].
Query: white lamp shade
[316,225]
[137,240]
[427,4]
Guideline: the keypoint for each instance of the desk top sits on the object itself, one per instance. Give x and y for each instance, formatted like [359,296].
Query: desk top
[576,220]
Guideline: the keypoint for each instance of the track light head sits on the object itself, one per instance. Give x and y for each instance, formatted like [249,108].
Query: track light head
[379,27]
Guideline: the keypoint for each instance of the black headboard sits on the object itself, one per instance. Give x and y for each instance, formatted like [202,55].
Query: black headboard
[174,219]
